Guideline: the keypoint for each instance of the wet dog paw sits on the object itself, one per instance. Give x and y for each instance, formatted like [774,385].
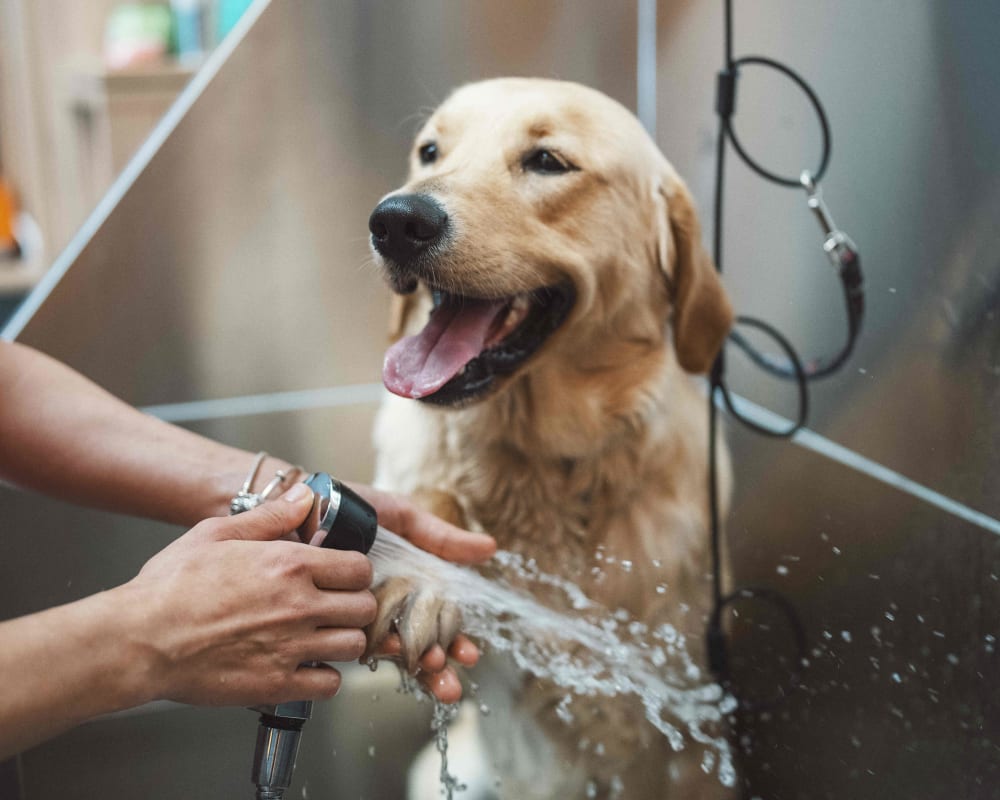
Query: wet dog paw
[419,616]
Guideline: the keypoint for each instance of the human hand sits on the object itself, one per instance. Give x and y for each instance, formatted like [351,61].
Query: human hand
[227,615]
[427,531]
[429,627]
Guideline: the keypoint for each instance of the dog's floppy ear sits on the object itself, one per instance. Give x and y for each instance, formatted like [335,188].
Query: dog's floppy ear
[702,314]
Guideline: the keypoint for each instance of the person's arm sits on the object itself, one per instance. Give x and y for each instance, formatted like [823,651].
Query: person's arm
[67,437]
[186,628]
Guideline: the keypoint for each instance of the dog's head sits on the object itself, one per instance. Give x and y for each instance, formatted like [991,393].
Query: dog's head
[539,218]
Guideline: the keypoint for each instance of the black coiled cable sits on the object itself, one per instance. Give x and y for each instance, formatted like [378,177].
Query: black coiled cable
[791,368]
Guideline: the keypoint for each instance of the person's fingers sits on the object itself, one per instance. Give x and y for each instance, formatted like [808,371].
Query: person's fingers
[433,659]
[268,521]
[427,531]
[338,569]
[464,651]
[446,541]
[441,681]
[313,682]
[444,685]
[389,647]
[334,644]
[345,609]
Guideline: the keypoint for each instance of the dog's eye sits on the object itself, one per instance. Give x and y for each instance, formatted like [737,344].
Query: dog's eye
[428,153]
[545,162]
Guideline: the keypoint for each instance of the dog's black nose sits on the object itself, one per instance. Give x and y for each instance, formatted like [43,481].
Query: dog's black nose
[405,225]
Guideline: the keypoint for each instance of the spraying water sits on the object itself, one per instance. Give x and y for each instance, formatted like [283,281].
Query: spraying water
[612,654]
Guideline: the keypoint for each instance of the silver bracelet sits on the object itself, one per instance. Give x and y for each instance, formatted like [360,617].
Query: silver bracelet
[245,499]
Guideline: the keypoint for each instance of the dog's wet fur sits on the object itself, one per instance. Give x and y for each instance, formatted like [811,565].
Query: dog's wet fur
[596,438]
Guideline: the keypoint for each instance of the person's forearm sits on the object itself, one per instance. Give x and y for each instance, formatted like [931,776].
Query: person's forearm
[63,435]
[66,665]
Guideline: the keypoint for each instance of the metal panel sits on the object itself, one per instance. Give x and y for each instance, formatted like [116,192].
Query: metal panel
[899,599]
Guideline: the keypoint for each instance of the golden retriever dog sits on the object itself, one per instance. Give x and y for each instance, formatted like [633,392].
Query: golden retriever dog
[554,303]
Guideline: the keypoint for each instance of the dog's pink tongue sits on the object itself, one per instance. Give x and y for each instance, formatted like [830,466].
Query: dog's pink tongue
[455,334]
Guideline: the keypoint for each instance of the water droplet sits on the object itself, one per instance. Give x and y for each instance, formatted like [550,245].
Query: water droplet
[896,677]
[627,565]
[836,550]
[890,616]
[846,636]
[781,569]
[371,751]
[661,588]
[562,709]
[952,659]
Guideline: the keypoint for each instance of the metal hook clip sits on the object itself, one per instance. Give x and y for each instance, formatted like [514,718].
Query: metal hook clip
[837,245]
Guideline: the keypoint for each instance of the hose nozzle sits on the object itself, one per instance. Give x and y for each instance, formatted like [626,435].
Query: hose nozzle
[348,523]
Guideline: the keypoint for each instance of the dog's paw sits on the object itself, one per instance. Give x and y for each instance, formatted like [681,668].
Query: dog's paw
[418,615]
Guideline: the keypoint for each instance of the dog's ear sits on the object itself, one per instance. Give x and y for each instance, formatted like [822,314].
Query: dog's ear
[702,314]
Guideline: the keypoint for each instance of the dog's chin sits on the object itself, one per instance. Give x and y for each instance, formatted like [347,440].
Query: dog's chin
[523,323]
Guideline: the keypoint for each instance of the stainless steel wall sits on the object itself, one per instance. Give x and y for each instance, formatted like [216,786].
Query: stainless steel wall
[900,599]
[237,264]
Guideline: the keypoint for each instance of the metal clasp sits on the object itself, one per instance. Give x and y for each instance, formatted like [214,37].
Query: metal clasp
[837,245]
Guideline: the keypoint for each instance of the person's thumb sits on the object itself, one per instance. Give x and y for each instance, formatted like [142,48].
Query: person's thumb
[271,520]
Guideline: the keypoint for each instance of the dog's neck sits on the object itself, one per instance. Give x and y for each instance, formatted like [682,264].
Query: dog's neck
[600,426]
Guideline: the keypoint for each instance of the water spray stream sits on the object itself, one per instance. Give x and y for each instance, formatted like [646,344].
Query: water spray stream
[590,653]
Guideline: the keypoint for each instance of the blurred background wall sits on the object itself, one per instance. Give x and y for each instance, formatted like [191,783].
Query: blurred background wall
[245,233]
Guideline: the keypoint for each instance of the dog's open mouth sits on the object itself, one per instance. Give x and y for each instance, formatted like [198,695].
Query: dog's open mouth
[469,342]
